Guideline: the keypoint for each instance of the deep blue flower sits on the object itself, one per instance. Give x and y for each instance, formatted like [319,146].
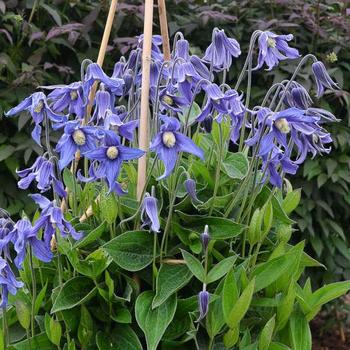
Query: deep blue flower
[274,48]
[23,235]
[297,96]
[6,227]
[200,67]
[169,142]
[110,157]
[156,52]
[37,105]
[75,138]
[169,100]
[220,52]
[43,172]
[8,282]
[205,238]
[149,213]
[190,186]
[51,218]
[323,79]
[203,303]
[104,103]
[114,121]
[68,98]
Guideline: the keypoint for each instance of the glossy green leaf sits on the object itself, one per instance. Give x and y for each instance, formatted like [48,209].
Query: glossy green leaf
[194,265]
[236,165]
[40,341]
[154,322]
[299,332]
[170,279]
[291,201]
[53,330]
[91,237]
[230,294]
[266,334]
[132,250]
[220,269]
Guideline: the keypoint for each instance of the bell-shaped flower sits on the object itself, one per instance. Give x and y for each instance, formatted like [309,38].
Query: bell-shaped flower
[169,142]
[37,105]
[74,138]
[322,78]
[296,96]
[6,227]
[24,236]
[8,282]
[149,213]
[220,52]
[114,122]
[203,304]
[190,187]
[110,157]
[274,48]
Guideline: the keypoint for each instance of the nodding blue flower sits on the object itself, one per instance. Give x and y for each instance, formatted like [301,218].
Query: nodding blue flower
[182,50]
[200,67]
[51,218]
[24,235]
[205,238]
[190,186]
[37,105]
[169,142]
[43,172]
[8,282]
[114,122]
[110,157]
[169,100]
[95,73]
[68,98]
[149,213]
[297,96]
[156,52]
[220,52]
[323,79]
[6,226]
[274,48]
[104,103]
[74,138]
[203,303]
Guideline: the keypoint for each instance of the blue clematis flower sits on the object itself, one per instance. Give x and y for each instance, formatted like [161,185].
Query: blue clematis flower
[203,303]
[190,187]
[6,227]
[75,138]
[297,96]
[169,100]
[23,235]
[149,213]
[8,282]
[274,48]
[169,142]
[156,52]
[37,105]
[43,172]
[323,79]
[51,218]
[205,238]
[110,157]
[220,52]
[114,121]
[68,98]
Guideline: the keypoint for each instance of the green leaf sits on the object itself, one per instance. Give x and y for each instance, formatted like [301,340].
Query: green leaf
[291,201]
[154,322]
[86,327]
[40,297]
[266,334]
[69,180]
[122,337]
[194,265]
[6,151]
[53,330]
[236,165]
[230,294]
[74,292]
[170,279]
[299,332]
[278,346]
[108,206]
[132,250]
[242,305]
[231,337]
[91,237]
[40,341]
[285,309]
[194,113]
[219,228]
[220,269]
[23,313]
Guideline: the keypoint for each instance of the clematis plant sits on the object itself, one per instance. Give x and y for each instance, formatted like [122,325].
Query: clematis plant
[204,259]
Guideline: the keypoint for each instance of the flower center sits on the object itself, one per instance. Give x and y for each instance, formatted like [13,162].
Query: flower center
[315,138]
[282,125]
[39,107]
[112,152]
[168,100]
[79,137]
[271,42]
[169,139]
[73,95]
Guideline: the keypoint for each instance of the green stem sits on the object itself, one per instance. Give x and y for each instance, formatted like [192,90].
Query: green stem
[5,327]
[32,271]
[154,266]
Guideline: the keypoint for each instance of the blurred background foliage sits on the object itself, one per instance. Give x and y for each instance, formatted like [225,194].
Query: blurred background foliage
[43,43]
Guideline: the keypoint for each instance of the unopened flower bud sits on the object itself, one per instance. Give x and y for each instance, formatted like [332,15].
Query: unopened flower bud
[203,301]
[112,152]
[169,139]
[205,238]
[79,137]
[282,125]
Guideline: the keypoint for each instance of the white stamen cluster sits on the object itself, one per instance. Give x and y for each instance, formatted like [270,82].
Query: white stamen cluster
[271,42]
[79,137]
[282,125]
[38,108]
[169,139]
[112,152]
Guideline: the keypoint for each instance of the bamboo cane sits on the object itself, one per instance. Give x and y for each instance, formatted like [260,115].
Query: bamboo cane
[164,29]
[146,68]
[100,59]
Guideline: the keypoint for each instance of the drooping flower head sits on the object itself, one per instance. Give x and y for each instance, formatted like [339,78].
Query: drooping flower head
[37,105]
[203,303]
[190,187]
[274,48]
[149,213]
[110,157]
[205,238]
[323,79]
[296,96]
[74,138]
[220,52]
[169,142]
